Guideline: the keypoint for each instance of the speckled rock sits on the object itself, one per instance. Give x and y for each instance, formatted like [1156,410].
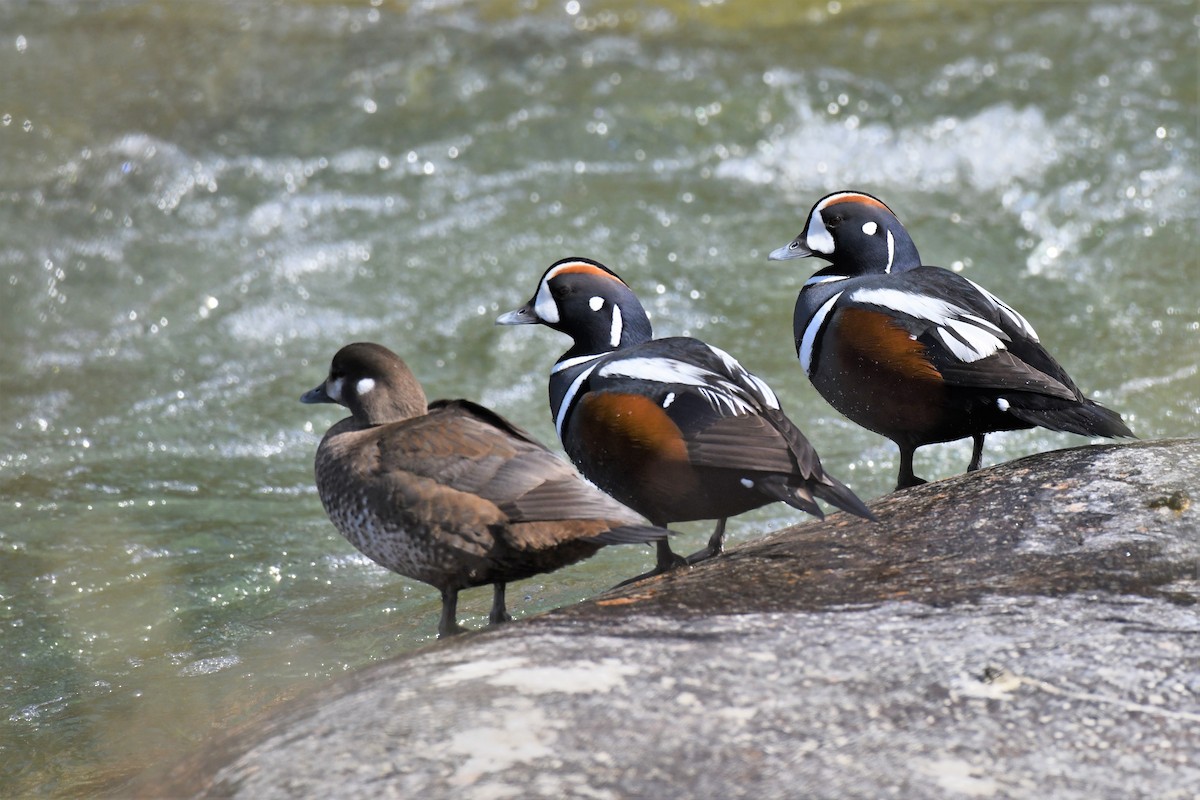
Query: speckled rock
[1030,630]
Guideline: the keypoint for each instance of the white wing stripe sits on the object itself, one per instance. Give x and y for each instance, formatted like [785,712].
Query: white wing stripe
[723,400]
[968,336]
[715,388]
[961,351]
[915,305]
[1007,310]
[663,370]
[765,393]
[983,323]
[973,345]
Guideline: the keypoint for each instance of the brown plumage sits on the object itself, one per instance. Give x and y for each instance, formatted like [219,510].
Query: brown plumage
[452,494]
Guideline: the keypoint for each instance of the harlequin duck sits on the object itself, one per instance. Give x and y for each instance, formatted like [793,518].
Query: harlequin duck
[916,353]
[674,428]
[451,493]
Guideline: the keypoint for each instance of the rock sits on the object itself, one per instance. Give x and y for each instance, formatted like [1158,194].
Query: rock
[1028,630]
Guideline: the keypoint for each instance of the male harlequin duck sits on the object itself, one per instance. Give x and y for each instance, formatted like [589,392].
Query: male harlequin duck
[674,428]
[921,354]
[451,493]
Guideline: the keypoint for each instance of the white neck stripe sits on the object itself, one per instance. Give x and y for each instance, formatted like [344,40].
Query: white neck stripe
[568,399]
[809,341]
[567,363]
[817,280]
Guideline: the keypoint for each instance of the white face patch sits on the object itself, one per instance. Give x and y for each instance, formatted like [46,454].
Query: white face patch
[614,333]
[364,386]
[596,303]
[544,305]
[333,388]
[870,228]
[819,239]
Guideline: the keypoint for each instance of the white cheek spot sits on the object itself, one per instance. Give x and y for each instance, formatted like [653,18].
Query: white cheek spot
[870,228]
[333,388]
[819,239]
[596,303]
[364,385]
[670,398]
[749,484]
[614,335]
[1001,404]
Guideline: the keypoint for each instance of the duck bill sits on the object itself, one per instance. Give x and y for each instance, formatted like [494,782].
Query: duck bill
[316,395]
[794,249]
[525,315]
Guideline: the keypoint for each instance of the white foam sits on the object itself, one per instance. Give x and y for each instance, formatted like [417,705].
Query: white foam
[993,149]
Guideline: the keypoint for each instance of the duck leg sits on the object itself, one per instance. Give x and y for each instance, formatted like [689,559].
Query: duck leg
[907,476]
[668,559]
[976,452]
[448,624]
[498,615]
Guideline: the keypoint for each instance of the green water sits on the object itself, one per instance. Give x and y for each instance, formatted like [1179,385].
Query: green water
[199,202]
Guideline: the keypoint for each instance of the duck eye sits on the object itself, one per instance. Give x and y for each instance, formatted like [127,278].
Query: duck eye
[559,290]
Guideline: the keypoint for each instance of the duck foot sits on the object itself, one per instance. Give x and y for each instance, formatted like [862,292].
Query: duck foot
[667,560]
[716,545]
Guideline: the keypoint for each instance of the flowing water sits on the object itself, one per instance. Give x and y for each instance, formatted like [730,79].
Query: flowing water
[201,201]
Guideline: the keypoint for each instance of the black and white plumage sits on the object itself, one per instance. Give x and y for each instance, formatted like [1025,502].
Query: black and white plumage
[918,353]
[452,494]
[674,428]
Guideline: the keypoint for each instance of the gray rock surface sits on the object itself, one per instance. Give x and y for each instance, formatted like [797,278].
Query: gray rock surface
[1030,630]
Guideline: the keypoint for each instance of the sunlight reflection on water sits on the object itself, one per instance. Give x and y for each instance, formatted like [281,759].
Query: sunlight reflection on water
[185,244]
